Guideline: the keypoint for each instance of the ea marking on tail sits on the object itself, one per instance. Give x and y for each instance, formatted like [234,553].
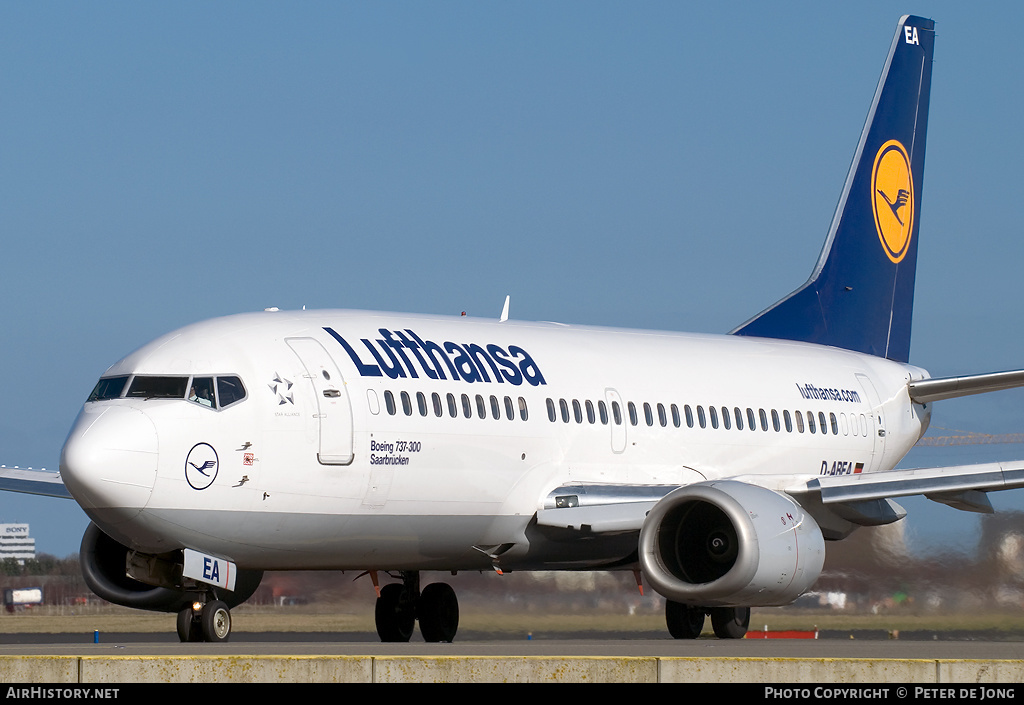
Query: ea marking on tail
[892,199]
[910,35]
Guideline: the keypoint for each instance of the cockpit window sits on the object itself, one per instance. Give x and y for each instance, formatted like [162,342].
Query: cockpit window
[211,392]
[229,390]
[108,388]
[158,387]
[201,391]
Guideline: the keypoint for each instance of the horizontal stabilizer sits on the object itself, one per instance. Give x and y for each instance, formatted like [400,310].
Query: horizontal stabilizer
[40,482]
[924,391]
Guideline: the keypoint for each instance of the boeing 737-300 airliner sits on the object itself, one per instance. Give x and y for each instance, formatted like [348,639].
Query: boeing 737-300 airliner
[714,466]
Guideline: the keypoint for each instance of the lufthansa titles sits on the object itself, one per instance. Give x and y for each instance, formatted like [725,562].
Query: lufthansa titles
[401,354]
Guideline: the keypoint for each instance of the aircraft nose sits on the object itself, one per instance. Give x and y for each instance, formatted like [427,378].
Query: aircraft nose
[109,462]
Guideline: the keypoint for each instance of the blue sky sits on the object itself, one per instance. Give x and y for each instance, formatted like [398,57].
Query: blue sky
[659,165]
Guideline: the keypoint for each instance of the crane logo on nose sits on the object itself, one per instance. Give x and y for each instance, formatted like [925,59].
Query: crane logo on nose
[201,466]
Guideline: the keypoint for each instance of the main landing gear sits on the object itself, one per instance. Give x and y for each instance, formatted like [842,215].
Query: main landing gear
[399,606]
[687,621]
[204,622]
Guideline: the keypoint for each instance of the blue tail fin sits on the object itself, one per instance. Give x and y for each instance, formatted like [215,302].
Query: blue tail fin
[861,294]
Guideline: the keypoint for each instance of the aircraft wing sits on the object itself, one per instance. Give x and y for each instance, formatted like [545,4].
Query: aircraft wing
[40,482]
[961,486]
[600,509]
[864,499]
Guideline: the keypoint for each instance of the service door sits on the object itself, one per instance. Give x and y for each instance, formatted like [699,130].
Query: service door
[333,410]
[877,426]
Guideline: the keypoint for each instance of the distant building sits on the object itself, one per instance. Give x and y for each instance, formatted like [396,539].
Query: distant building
[15,543]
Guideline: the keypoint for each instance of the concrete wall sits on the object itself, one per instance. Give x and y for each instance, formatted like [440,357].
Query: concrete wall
[100,670]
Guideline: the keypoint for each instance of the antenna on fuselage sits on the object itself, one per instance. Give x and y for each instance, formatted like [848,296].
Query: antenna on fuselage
[504,311]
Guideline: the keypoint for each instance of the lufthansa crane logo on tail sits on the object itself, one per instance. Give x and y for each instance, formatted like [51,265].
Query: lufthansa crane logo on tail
[892,199]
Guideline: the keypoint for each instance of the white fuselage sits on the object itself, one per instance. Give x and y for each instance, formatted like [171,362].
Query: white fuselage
[355,446]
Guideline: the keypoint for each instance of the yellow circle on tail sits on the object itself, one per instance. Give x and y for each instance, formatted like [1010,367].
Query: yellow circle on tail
[892,199]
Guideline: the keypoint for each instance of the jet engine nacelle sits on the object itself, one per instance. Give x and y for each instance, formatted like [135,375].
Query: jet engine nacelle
[719,544]
[104,561]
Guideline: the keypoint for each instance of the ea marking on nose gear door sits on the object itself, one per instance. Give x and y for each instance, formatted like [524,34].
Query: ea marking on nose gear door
[201,466]
[892,199]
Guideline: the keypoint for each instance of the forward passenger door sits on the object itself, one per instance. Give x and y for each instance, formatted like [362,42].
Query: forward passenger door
[333,411]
